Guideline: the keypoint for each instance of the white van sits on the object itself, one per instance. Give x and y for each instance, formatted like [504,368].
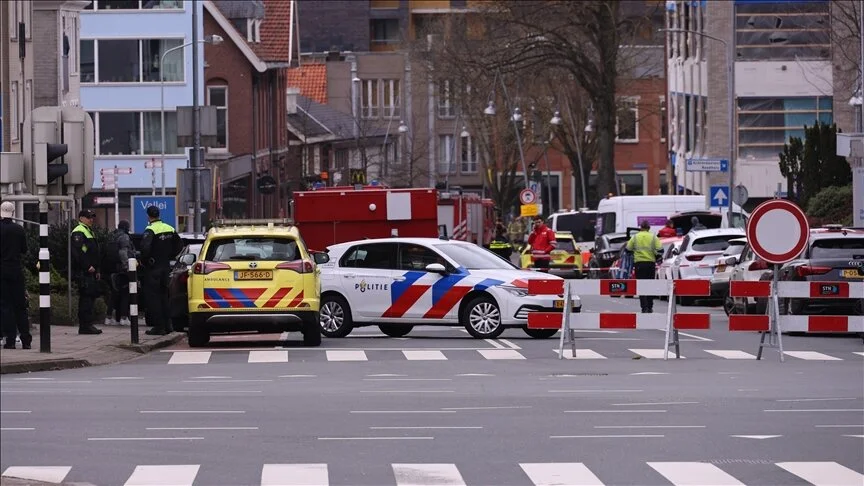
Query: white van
[616,214]
[582,224]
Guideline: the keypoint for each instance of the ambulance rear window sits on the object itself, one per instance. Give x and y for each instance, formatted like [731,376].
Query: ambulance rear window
[565,244]
[252,249]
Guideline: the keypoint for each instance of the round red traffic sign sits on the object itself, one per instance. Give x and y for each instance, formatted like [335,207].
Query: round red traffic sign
[778,231]
[527,196]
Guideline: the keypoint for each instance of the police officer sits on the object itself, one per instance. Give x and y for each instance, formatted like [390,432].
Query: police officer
[500,244]
[645,247]
[159,245]
[85,266]
[13,302]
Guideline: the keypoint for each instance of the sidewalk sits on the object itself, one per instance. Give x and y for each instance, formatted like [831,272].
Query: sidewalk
[71,350]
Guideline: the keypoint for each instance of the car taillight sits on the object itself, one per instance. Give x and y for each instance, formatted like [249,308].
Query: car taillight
[806,270]
[758,265]
[695,258]
[204,268]
[299,266]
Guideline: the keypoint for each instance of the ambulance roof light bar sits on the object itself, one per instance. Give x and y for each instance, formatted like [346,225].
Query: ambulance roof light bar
[270,222]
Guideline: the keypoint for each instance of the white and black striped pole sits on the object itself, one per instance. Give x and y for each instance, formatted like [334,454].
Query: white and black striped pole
[44,281]
[133,298]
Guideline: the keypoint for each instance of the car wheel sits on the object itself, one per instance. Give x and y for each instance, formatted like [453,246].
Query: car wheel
[540,333]
[482,318]
[198,336]
[312,334]
[335,317]
[729,305]
[395,330]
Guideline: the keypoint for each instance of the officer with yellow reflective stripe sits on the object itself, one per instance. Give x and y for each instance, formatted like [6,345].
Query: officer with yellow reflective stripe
[159,245]
[85,268]
[646,247]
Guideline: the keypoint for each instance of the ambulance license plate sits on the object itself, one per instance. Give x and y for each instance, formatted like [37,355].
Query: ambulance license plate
[253,275]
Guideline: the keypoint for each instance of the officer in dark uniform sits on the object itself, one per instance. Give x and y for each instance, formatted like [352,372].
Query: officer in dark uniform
[13,300]
[500,244]
[85,267]
[159,244]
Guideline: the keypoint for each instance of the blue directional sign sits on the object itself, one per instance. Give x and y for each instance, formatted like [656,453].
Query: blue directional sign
[719,196]
[707,165]
[167,211]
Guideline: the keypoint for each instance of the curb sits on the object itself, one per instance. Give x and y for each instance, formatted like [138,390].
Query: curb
[146,348]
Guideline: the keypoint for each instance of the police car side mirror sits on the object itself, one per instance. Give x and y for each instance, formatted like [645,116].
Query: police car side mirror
[321,258]
[436,268]
[187,259]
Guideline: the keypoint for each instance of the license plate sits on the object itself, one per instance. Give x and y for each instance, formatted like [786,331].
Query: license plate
[851,274]
[720,268]
[253,275]
[559,304]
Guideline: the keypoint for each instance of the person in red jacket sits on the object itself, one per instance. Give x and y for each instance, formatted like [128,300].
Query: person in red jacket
[668,231]
[542,241]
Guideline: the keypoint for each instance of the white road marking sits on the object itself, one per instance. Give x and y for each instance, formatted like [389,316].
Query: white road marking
[510,344]
[110,439]
[560,474]
[500,354]
[580,354]
[211,377]
[427,475]
[819,410]
[730,353]
[123,378]
[34,379]
[15,411]
[343,355]
[694,474]
[652,403]
[837,426]
[811,356]
[376,438]
[20,429]
[475,374]
[596,391]
[268,357]
[36,391]
[48,474]
[423,355]
[202,428]
[194,411]
[435,427]
[615,411]
[858,353]
[407,391]
[814,399]
[189,357]
[653,353]
[823,473]
[855,436]
[495,344]
[649,426]
[401,411]
[407,379]
[693,336]
[730,373]
[631,436]
[648,373]
[225,381]
[757,437]
[503,407]
[294,475]
[163,475]
[386,374]
[198,392]
[298,376]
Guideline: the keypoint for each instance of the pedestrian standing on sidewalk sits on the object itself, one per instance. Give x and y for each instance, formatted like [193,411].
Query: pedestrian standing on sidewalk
[118,250]
[159,244]
[646,247]
[13,297]
[85,267]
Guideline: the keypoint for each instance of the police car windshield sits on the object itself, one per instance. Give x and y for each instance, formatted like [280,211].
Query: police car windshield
[252,249]
[473,257]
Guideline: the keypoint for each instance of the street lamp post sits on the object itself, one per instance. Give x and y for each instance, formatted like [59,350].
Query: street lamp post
[730,73]
[210,39]
[516,118]
[556,121]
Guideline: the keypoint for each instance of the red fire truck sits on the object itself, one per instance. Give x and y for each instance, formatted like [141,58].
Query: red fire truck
[466,217]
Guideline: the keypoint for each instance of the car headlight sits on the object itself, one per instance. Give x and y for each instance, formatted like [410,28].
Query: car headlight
[512,289]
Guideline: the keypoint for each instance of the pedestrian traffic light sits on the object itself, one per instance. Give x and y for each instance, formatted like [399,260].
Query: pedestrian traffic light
[43,155]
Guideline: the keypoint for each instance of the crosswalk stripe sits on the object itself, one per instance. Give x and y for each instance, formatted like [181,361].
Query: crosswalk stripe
[580,354]
[48,474]
[163,475]
[427,475]
[811,355]
[500,354]
[346,355]
[560,474]
[653,353]
[858,353]
[270,356]
[294,475]
[824,473]
[694,474]
[189,357]
[730,353]
[423,355]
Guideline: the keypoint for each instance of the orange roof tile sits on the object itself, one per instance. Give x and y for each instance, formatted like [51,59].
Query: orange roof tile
[312,81]
[275,32]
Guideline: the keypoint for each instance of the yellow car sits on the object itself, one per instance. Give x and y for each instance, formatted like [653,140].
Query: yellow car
[254,275]
[565,256]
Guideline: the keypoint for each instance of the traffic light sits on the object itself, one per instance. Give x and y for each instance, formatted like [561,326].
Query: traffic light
[43,155]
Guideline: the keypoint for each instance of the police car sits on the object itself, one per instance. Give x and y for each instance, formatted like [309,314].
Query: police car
[397,283]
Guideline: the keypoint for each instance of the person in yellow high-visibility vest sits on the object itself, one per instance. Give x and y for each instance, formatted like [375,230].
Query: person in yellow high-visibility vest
[645,247]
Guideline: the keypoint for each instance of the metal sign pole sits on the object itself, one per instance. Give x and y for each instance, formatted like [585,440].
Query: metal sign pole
[669,322]
[116,199]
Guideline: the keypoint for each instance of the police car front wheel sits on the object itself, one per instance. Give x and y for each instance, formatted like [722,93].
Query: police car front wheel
[482,318]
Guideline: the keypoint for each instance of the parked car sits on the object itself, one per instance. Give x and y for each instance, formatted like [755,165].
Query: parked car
[606,250]
[699,250]
[724,266]
[749,268]
[566,256]
[670,246]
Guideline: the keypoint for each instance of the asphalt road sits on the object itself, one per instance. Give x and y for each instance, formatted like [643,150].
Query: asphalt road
[441,408]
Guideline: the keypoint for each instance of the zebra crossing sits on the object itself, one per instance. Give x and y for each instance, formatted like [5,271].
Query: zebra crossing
[182,357]
[817,473]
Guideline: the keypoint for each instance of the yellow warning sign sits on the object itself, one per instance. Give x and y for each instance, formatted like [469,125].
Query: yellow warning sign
[527,210]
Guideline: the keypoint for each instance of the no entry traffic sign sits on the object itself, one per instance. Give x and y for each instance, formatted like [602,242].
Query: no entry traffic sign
[778,231]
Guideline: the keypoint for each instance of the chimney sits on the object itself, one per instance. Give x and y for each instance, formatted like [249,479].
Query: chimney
[291,100]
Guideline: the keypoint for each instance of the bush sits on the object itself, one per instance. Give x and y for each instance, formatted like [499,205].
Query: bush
[832,205]
[60,309]
[58,246]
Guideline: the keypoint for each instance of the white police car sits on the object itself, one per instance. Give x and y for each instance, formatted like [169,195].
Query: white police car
[397,283]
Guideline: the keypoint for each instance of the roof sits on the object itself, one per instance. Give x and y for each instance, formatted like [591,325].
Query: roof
[312,81]
[235,36]
[314,119]
[276,32]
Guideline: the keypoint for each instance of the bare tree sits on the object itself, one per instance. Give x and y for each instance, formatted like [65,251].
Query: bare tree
[846,39]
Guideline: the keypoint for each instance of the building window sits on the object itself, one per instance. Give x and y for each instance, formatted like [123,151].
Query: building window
[783,31]
[118,5]
[120,133]
[469,155]
[369,99]
[392,97]
[13,112]
[119,61]
[153,133]
[218,96]
[135,5]
[87,69]
[152,51]
[765,124]
[385,31]
[445,99]
[445,154]
[627,121]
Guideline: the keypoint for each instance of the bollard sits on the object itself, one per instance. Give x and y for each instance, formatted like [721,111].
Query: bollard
[133,298]
[44,282]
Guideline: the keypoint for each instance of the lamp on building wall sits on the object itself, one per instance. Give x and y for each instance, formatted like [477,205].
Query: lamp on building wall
[210,39]
[464,133]
[403,128]
[490,110]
